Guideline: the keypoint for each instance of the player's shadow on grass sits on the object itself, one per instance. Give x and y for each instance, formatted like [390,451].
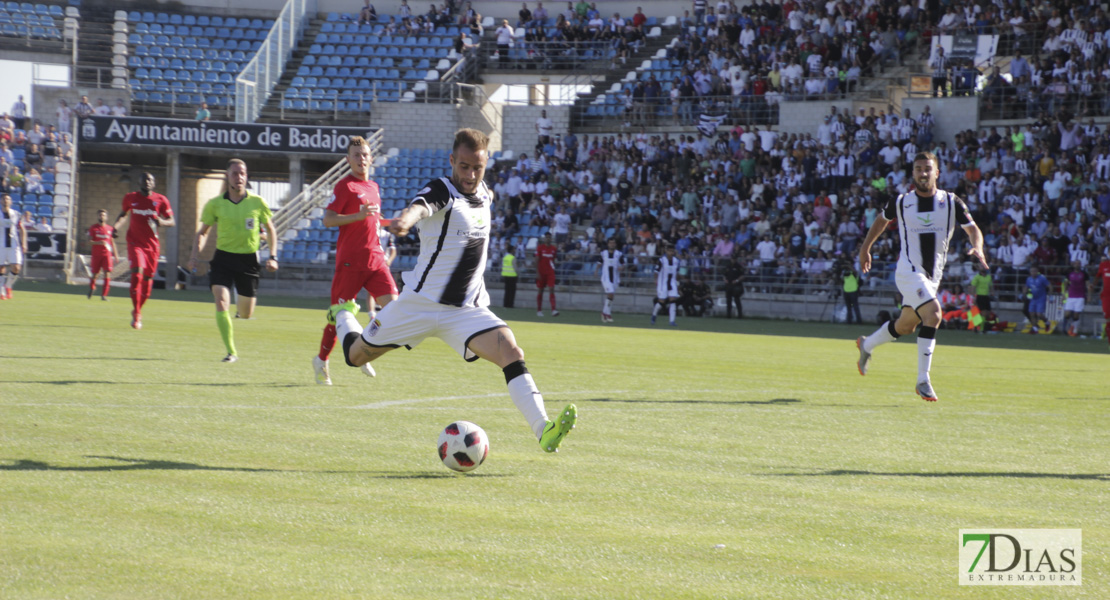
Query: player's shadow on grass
[141,464]
[191,384]
[69,358]
[774,401]
[927,475]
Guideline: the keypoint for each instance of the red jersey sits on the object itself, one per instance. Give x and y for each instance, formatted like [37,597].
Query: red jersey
[358,244]
[101,236]
[143,228]
[545,258]
[1104,277]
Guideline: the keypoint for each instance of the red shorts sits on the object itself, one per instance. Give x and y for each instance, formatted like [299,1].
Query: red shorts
[348,281]
[102,262]
[143,257]
[1106,307]
[546,279]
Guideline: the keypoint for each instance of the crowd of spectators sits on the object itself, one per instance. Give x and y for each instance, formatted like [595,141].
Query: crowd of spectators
[560,38]
[793,208]
[30,150]
[745,60]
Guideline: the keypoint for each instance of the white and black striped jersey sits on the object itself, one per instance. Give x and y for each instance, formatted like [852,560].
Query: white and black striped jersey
[454,242]
[611,260]
[9,229]
[926,225]
[666,281]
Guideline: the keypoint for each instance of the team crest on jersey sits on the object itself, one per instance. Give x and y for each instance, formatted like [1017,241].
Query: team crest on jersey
[375,325]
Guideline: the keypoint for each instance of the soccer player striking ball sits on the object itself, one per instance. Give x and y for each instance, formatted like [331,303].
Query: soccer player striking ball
[445,294]
[545,273]
[611,260]
[360,262]
[666,286]
[13,246]
[149,210]
[926,220]
[103,252]
[238,216]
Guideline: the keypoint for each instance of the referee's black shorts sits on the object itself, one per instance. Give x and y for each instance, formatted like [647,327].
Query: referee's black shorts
[240,270]
[983,303]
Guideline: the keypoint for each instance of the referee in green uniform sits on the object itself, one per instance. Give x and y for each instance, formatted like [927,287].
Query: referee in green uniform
[239,217]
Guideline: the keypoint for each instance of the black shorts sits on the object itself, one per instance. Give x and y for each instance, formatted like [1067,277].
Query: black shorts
[240,270]
[983,303]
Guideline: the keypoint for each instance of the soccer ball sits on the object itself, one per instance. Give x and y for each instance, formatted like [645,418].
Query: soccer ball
[463,446]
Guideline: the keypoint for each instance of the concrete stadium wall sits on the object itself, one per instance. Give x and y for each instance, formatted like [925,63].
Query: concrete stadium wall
[43,102]
[953,115]
[519,128]
[416,125]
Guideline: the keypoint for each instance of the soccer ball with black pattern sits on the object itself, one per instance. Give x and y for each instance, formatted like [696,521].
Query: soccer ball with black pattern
[463,446]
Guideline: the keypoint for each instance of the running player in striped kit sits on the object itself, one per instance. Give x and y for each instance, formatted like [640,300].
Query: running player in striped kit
[445,294]
[926,219]
[666,286]
[611,261]
[13,246]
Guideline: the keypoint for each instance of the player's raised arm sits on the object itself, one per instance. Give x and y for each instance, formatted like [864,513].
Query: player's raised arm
[409,217]
[877,229]
[976,238]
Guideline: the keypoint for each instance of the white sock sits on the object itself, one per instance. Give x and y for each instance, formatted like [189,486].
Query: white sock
[529,402]
[655,309]
[926,342]
[672,310]
[608,303]
[10,280]
[346,323]
[881,336]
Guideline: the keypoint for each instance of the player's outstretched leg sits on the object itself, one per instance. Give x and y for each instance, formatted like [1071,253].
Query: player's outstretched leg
[320,367]
[864,356]
[555,431]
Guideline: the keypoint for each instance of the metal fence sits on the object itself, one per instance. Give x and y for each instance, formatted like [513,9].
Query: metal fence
[582,56]
[261,74]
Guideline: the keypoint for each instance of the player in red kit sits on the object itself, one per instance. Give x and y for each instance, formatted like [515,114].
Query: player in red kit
[545,278]
[360,263]
[149,210]
[103,252]
[1104,279]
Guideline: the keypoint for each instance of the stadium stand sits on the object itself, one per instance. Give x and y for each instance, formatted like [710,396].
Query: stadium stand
[25,20]
[189,59]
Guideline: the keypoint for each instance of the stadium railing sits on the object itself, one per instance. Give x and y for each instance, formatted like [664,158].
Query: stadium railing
[254,85]
[580,56]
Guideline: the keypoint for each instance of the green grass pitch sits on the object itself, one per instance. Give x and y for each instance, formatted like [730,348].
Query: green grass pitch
[721,459]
